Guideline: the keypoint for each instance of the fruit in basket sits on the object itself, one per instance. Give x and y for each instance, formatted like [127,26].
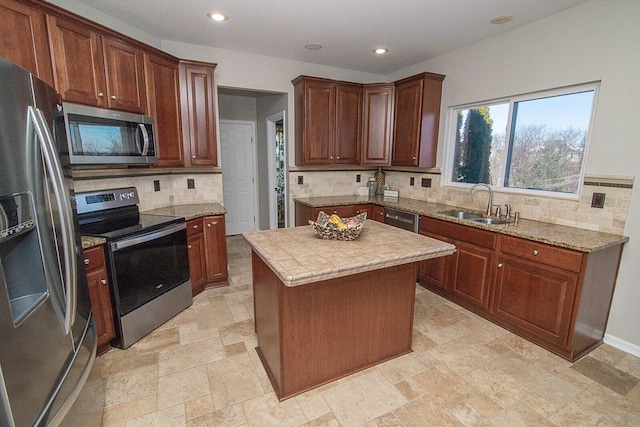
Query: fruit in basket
[335,219]
[351,224]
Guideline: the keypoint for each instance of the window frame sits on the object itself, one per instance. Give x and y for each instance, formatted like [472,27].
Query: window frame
[451,132]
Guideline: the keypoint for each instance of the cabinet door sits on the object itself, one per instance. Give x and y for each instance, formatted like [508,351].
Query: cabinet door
[78,62]
[348,124]
[408,110]
[23,38]
[377,124]
[319,123]
[216,248]
[197,97]
[125,77]
[163,95]
[472,271]
[100,296]
[535,297]
[197,262]
[436,271]
[377,213]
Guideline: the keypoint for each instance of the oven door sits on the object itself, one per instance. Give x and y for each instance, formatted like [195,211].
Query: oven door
[145,266]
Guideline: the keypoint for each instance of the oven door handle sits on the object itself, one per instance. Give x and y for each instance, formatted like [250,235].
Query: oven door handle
[122,244]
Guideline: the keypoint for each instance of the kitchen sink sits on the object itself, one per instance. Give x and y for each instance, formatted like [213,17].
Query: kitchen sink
[462,215]
[489,221]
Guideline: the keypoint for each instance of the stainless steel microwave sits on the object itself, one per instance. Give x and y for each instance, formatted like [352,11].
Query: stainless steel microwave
[97,136]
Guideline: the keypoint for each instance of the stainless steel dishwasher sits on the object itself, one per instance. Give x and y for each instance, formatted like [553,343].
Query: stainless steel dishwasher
[401,219]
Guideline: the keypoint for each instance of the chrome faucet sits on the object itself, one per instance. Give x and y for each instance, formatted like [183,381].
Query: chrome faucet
[490,204]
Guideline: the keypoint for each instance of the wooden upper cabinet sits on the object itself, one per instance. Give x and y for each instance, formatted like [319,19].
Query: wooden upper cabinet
[163,104]
[197,97]
[78,63]
[348,138]
[124,67]
[377,124]
[23,38]
[416,120]
[94,70]
[328,117]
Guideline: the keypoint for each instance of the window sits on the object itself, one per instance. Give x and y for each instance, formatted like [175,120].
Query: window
[532,142]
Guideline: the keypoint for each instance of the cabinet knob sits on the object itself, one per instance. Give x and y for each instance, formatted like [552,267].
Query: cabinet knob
[535,252]
[331,157]
[193,157]
[386,157]
[499,265]
[101,95]
[103,281]
[86,261]
[338,157]
[188,246]
[113,97]
[195,227]
[414,157]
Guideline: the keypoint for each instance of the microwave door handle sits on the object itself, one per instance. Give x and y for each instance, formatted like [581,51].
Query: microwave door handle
[66,214]
[145,138]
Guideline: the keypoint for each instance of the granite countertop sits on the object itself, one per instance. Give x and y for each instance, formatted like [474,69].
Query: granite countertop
[91,241]
[558,235]
[191,211]
[297,256]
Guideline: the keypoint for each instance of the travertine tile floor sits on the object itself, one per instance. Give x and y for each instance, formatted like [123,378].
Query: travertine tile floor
[201,369]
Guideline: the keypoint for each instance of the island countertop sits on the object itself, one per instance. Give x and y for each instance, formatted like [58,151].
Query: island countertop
[297,256]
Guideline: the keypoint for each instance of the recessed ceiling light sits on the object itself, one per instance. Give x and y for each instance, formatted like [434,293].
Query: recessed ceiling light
[501,19]
[381,50]
[217,16]
[313,46]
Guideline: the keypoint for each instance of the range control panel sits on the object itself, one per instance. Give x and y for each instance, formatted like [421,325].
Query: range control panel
[100,200]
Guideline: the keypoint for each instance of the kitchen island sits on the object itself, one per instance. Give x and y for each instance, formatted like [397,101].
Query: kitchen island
[325,309]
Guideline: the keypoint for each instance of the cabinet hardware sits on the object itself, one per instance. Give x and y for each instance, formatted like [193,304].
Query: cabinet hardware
[535,252]
[195,227]
[100,95]
[188,246]
[499,265]
[338,157]
[113,97]
[103,281]
[86,261]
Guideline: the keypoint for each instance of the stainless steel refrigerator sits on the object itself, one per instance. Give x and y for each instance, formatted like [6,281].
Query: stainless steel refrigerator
[47,337]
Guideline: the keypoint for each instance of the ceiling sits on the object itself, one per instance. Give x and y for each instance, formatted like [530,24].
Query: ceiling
[347,30]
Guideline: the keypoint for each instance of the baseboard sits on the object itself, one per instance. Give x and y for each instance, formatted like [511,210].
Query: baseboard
[623,345]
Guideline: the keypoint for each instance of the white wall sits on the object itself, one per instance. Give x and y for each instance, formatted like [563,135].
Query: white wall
[595,41]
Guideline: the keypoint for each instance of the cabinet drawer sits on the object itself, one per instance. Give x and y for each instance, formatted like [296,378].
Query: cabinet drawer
[93,258]
[195,226]
[543,253]
[486,239]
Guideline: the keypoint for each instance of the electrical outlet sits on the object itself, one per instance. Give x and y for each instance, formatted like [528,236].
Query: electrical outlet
[156,185]
[300,179]
[597,201]
[412,181]
[426,182]
[191,183]
[358,178]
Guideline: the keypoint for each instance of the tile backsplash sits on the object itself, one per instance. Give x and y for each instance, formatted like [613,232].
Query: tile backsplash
[173,188]
[575,213]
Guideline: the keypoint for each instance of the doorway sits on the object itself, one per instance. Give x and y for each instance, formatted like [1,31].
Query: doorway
[238,175]
[277,170]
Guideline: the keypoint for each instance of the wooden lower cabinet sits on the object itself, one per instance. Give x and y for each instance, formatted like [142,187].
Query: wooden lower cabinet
[377,213]
[197,259]
[215,237]
[207,243]
[100,296]
[554,297]
[305,213]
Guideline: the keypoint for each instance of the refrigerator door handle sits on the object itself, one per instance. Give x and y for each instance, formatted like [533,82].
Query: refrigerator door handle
[52,164]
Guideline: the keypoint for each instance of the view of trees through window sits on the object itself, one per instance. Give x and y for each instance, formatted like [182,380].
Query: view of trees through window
[536,143]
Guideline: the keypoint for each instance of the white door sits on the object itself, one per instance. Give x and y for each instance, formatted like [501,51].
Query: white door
[238,170]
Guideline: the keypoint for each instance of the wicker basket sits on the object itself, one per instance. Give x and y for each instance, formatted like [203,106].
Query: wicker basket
[322,228]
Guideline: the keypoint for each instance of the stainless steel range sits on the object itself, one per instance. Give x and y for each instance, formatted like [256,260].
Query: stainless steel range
[147,259]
